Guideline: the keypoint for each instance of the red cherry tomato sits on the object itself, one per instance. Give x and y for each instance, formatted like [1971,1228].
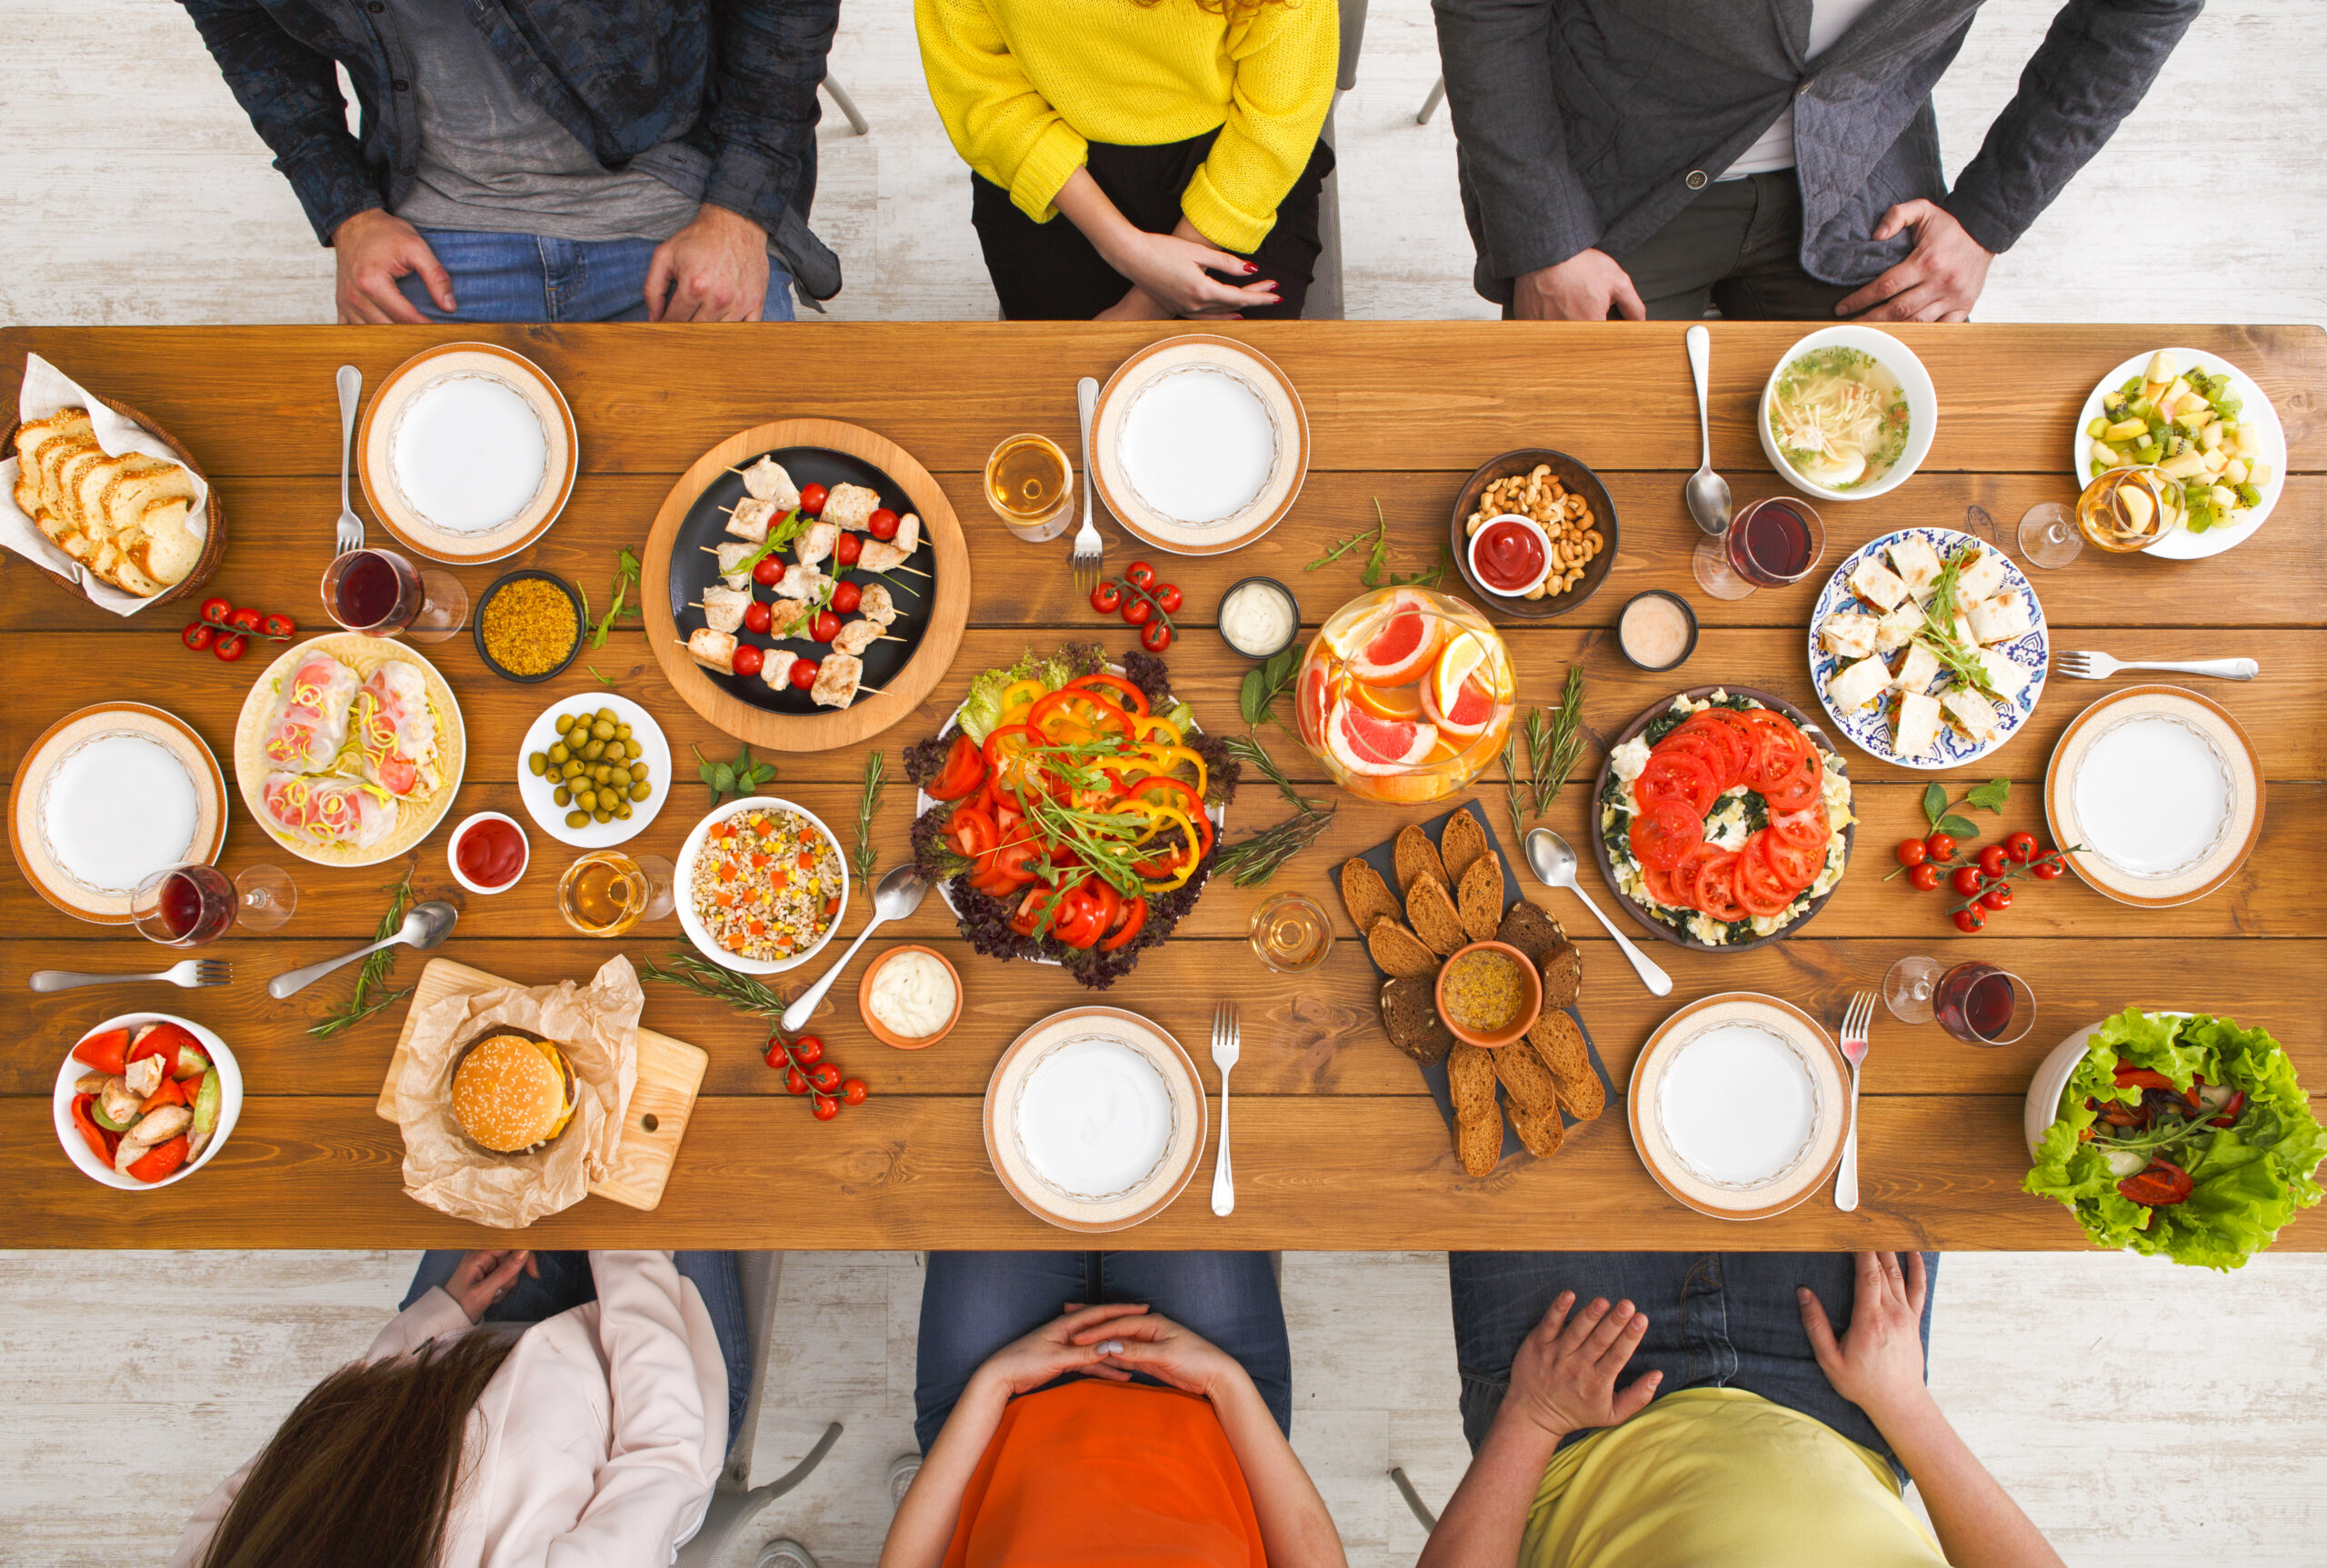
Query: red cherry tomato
[216,610]
[796,1081]
[230,647]
[827,1108]
[847,548]
[1107,598]
[825,627]
[768,572]
[852,1090]
[804,673]
[1967,880]
[1911,851]
[198,637]
[748,660]
[1167,597]
[1136,612]
[1969,921]
[1155,636]
[2045,870]
[1924,878]
[1992,860]
[246,620]
[2021,846]
[826,1076]
[807,1050]
[756,618]
[773,1055]
[280,629]
[882,523]
[847,597]
[1140,575]
[1939,845]
[812,499]
[1998,897]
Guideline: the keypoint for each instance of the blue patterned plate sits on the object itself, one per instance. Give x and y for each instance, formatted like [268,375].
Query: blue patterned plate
[1869,728]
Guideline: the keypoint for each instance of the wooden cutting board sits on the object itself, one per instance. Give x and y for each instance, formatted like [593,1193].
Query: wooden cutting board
[669,1073]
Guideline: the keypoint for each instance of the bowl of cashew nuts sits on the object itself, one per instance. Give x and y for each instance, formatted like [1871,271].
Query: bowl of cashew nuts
[1566,500]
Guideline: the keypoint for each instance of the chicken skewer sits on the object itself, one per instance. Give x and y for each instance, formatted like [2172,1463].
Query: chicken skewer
[767,480]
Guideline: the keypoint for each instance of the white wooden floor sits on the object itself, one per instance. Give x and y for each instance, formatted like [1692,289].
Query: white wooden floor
[2146,1416]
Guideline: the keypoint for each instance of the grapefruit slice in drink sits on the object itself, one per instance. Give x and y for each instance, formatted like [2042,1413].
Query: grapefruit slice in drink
[1376,748]
[1318,692]
[1398,643]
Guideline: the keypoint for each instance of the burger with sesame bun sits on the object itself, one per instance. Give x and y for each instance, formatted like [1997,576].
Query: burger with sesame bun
[513,1093]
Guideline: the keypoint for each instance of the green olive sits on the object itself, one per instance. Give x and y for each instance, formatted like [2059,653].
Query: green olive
[586,797]
[571,767]
[561,795]
[602,815]
[557,751]
[617,750]
[538,763]
[637,769]
[641,790]
[594,750]
[608,714]
[563,722]
[622,732]
[601,774]
[618,774]
[603,729]
[577,819]
[622,811]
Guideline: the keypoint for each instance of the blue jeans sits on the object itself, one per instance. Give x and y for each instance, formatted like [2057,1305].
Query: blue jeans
[532,277]
[566,1281]
[974,1304]
[1715,1320]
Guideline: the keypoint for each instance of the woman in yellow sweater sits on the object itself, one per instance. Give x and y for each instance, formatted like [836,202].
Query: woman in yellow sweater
[1178,138]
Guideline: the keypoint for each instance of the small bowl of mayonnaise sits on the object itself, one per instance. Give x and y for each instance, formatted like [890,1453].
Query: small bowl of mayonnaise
[1258,617]
[910,997]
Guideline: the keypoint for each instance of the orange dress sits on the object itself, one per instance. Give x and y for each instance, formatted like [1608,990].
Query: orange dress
[1114,1473]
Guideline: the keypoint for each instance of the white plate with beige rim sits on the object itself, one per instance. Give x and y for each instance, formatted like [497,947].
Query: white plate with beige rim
[468,453]
[1739,1104]
[1095,1119]
[2254,408]
[2161,788]
[106,797]
[1200,445]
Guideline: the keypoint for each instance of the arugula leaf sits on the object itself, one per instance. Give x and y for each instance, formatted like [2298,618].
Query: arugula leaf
[600,673]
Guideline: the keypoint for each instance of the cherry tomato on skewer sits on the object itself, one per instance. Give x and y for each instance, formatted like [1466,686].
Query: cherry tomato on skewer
[804,673]
[881,525]
[812,499]
[847,548]
[748,660]
[847,597]
[768,572]
[825,627]
[756,618]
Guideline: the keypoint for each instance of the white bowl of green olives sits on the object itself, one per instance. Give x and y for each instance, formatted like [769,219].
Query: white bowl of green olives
[594,770]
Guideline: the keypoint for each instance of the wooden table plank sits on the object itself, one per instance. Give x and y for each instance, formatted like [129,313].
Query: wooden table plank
[1378,394]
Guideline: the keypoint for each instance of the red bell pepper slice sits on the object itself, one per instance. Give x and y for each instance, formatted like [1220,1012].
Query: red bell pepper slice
[1128,922]
[89,1129]
[168,1094]
[160,1160]
[1127,695]
[2163,1184]
[107,1052]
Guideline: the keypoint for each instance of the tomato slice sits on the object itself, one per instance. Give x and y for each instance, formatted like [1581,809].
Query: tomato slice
[1676,775]
[1776,754]
[972,829]
[1659,884]
[1703,746]
[1795,787]
[104,1051]
[1807,829]
[1018,862]
[2163,1184]
[1128,921]
[1724,742]
[1665,832]
[963,771]
[1717,888]
[1759,886]
[1794,866]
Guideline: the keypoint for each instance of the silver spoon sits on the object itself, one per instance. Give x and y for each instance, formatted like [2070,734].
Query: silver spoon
[900,892]
[424,928]
[1554,863]
[1706,493]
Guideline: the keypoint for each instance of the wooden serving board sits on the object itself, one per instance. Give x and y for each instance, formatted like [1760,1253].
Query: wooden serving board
[669,1073]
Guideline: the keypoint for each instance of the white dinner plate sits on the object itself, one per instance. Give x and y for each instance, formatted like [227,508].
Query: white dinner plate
[540,794]
[1200,445]
[1869,728]
[2182,545]
[468,453]
[106,797]
[1738,1105]
[2161,788]
[1095,1119]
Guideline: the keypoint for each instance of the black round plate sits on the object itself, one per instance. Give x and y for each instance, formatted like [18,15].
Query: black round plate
[476,623]
[1579,480]
[694,568]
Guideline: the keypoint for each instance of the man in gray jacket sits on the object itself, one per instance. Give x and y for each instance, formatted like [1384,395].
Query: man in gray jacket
[1774,158]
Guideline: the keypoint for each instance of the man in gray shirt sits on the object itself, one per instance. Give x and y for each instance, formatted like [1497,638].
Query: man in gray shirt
[546,160]
[1766,157]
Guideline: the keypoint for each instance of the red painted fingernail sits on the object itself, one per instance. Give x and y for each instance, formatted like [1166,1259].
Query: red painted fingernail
[1251,267]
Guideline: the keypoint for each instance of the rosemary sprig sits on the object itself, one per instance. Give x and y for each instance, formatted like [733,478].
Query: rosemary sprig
[871,801]
[362,1003]
[1253,860]
[1514,796]
[694,973]
[1554,749]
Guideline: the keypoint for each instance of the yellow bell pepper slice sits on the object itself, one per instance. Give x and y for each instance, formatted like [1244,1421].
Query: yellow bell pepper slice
[1145,728]
[1161,817]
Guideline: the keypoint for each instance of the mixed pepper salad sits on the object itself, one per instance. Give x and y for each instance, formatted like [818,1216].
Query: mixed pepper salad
[2181,1134]
[1068,813]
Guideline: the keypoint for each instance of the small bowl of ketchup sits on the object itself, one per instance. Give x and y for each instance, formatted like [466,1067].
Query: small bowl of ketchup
[488,852]
[1510,554]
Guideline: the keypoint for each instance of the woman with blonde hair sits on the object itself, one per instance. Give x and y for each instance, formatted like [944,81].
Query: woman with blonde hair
[1177,139]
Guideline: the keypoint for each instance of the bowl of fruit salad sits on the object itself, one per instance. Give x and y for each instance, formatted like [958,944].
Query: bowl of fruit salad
[1405,694]
[146,1099]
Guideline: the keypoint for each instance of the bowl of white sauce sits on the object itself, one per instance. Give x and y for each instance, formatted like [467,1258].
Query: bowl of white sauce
[1258,617]
[910,997]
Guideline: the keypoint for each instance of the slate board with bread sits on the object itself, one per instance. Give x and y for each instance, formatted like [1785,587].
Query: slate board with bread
[1535,1092]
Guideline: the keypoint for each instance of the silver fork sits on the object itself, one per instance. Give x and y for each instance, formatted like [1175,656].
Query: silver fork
[1855,1021]
[1225,1047]
[351,526]
[192,973]
[1090,550]
[2087,666]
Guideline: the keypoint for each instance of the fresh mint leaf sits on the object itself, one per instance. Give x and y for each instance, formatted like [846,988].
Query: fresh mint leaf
[1957,827]
[1989,796]
[1934,804]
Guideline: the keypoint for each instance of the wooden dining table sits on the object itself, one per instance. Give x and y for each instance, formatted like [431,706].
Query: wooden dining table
[1336,1143]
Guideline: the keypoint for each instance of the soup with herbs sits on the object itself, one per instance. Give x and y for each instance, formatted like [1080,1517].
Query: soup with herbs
[1840,417]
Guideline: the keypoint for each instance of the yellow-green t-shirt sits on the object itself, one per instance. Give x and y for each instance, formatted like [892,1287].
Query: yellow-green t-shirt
[1718,1476]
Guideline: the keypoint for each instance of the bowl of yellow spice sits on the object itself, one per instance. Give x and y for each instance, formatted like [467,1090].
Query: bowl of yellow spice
[1489,995]
[528,626]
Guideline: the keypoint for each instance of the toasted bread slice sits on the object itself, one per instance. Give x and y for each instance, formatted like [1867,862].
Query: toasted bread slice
[1415,856]
[1526,1081]
[163,547]
[1562,969]
[1541,1134]
[54,456]
[1583,1098]
[1478,1143]
[1433,916]
[1461,842]
[1469,1082]
[1530,930]
[1366,895]
[1398,950]
[1410,1016]
[1560,1043]
[1479,895]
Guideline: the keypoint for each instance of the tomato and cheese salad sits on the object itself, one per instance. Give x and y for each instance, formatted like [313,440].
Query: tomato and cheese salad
[1724,820]
[1067,813]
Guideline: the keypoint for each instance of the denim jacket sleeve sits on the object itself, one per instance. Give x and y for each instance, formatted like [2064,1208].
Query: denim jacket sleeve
[771,59]
[2096,62]
[292,96]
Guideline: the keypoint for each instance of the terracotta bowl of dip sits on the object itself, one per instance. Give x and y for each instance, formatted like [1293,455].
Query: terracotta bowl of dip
[882,1032]
[1463,973]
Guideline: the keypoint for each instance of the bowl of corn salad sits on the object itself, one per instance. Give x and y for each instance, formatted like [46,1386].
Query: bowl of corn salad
[762,885]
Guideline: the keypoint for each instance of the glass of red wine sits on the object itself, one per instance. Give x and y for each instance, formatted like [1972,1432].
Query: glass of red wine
[383,593]
[189,906]
[1771,543]
[1981,1005]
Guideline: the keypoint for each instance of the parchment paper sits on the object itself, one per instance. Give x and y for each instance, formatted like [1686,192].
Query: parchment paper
[45,390]
[596,1028]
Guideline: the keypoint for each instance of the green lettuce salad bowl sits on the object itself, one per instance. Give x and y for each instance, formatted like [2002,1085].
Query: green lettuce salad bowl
[2174,1133]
